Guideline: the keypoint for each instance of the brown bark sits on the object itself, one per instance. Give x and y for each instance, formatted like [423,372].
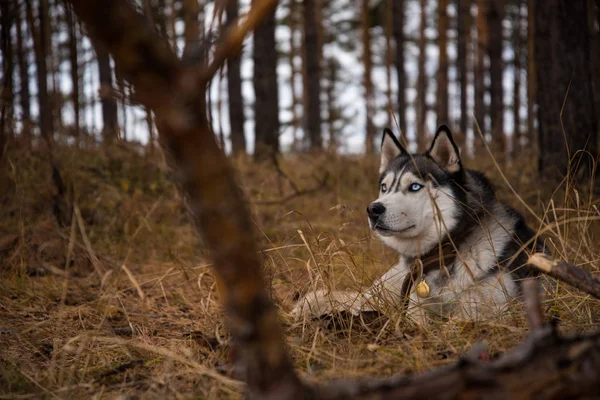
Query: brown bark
[24,94]
[74,61]
[266,104]
[565,272]
[40,50]
[234,89]
[442,81]
[464,33]
[517,67]
[7,18]
[566,100]
[333,113]
[312,57]
[191,12]
[365,20]
[388,60]
[480,69]
[293,23]
[422,82]
[399,39]
[110,121]
[495,15]
[532,137]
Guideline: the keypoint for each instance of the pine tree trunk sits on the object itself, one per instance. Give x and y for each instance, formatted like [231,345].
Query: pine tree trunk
[24,94]
[442,81]
[517,45]
[398,28]
[234,90]
[7,18]
[293,23]
[266,104]
[332,113]
[495,16]
[532,137]
[464,32]
[566,101]
[389,21]
[422,82]
[110,127]
[191,12]
[312,117]
[482,49]
[45,114]
[73,58]
[367,82]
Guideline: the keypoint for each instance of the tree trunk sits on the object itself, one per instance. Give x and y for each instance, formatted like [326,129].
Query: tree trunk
[442,81]
[495,16]
[332,111]
[293,23]
[312,115]
[191,12]
[389,21]
[464,32]
[8,12]
[24,94]
[482,49]
[39,44]
[110,121]
[566,101]
[234,90]
[422,82]
[532,137]
[365,20]
[73,58]
[266,104]
[398,24]
[517,66]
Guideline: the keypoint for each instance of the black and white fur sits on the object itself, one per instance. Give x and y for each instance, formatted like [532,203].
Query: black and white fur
[426,200]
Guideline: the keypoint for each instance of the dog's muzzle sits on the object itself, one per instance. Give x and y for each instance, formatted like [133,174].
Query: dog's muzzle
[375,210]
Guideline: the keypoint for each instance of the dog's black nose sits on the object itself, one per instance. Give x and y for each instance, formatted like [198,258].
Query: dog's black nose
[375,210]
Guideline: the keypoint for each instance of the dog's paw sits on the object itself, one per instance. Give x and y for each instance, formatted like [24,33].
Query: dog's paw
[324,302]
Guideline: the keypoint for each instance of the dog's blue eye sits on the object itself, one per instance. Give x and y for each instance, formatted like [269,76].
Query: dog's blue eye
[383,188]
[415,187]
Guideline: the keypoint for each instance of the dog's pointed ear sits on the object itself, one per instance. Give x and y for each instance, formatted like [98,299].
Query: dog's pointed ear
[444,152]
[390,149]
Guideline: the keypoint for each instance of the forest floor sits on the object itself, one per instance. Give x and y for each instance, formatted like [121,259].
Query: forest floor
[118,298]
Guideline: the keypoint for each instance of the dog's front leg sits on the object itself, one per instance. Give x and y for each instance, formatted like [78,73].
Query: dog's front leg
[326,302]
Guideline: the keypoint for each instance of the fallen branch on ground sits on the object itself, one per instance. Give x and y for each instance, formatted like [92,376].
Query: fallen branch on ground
[569,273]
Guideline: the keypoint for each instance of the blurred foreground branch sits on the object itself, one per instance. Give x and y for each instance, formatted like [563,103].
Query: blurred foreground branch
[175,92]
[545,366]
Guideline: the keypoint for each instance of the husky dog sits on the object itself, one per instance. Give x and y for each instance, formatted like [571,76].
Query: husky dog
[462,252]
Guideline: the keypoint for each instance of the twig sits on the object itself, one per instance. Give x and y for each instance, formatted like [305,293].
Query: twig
[533,307]
[568,273]
[88,245]
[236,35]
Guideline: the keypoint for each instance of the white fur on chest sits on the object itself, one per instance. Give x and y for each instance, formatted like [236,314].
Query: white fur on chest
[465,287]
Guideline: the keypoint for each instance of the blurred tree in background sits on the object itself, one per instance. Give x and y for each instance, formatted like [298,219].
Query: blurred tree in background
[327,76]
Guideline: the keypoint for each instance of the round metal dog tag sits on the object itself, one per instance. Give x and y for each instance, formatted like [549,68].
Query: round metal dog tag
[422,289]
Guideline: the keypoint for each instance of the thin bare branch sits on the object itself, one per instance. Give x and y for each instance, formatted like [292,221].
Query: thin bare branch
[533,307]
[568,273]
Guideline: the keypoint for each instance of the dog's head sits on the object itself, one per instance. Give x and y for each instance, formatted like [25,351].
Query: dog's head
[418,194]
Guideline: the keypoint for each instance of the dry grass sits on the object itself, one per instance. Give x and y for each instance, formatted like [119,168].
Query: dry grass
[135,311]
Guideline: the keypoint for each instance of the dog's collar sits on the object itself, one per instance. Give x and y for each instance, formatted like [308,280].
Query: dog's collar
[440,257]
